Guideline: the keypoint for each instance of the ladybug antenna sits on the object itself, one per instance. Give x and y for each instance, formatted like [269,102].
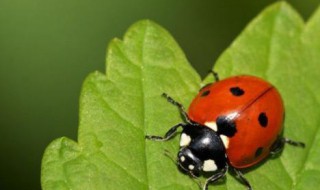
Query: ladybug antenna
[196,179]
[192,175]
[170,155]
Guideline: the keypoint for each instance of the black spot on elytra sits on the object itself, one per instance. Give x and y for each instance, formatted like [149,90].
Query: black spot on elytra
[205,93]
[258,152]
[226,126]
[236,91]
[263,119]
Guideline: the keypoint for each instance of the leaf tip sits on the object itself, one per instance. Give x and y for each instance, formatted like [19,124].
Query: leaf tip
[284,8]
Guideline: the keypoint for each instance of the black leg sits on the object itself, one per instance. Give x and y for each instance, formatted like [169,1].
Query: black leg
[168,134]
[180,106]
[215,177]
[278,146]
[294,143]
[240,176]
[215,75]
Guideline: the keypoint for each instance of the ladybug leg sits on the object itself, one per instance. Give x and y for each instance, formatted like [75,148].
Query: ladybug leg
[294,143]
[168,134]
[215,75]
[278,145]
[216,79]
[215,177]
[240,176]
[180,106]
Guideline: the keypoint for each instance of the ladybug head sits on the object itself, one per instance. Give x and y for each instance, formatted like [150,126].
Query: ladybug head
[201,149]
[189,162]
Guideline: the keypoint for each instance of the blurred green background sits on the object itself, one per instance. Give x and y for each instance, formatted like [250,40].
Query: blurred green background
[47,48]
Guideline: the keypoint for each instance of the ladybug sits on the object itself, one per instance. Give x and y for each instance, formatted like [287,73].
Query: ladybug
[233,123]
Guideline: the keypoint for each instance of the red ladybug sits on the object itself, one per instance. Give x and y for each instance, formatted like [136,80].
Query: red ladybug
[233,124]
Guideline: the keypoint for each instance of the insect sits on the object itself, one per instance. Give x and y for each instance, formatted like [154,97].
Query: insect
[231,124]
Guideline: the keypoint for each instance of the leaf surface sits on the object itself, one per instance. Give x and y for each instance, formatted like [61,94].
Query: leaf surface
[118,108]
[279,47]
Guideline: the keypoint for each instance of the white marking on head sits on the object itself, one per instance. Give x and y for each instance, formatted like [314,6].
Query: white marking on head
[209,166]
[182,158]
[185,139]
[191,167]
[212,125]
[225,141]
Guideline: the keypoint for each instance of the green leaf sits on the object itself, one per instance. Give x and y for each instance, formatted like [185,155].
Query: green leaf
[119,108]
[280,48]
